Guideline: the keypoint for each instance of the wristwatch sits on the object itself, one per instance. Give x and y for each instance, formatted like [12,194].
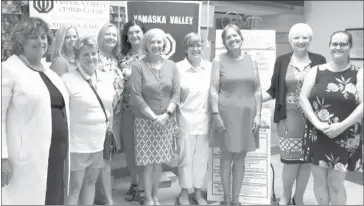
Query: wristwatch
[169,113]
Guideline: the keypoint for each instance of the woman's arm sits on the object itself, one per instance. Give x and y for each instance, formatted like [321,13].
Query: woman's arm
[307,86]
[136,93]
[7,86]
[271,92]
[176,90]
[215,85]
[357,114]
[258,90]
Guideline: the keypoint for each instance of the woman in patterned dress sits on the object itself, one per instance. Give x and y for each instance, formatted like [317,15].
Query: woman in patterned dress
[155,96]
[289,72]
[109,49]
[332,100]
[131,38]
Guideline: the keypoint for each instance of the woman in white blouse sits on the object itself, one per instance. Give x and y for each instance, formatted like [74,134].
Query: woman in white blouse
[88,124]
[193,119]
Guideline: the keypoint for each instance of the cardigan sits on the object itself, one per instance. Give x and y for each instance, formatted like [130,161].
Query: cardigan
[27,130]
[277,88]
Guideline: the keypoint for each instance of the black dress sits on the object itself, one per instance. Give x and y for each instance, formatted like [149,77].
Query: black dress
[58,148]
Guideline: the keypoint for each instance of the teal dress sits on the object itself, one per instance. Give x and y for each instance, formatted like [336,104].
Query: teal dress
[237,105]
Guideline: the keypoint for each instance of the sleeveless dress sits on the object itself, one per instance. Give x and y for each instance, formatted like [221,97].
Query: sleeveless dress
[58,148]
[331,91]
[291,129]
[237,106]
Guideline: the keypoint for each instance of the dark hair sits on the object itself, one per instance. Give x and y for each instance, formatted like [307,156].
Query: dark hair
[235,28]
[125,45]
[24,28]
[350,37]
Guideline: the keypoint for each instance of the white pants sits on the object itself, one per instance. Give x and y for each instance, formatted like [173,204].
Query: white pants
[193,159]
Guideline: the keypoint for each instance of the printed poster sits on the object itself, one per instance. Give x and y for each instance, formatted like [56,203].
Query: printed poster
[177,19]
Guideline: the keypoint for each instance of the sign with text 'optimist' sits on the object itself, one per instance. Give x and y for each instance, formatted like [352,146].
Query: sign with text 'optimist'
[177,19]
[88,16]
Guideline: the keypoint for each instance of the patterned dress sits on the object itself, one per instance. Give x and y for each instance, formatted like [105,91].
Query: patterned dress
[126,114]
[291,129]
[331,91]
[110,65]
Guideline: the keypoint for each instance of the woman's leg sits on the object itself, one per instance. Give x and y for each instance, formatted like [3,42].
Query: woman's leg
[76,181]
[55,181]
[200,158]
[225,173]
[337,190]
[148,182]
[238,174]
[87,195]
[304,172]
[157,175]
[105,182]
[320,184]
[289,175]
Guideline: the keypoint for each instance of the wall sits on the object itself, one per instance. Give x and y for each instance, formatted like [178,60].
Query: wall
[326,17]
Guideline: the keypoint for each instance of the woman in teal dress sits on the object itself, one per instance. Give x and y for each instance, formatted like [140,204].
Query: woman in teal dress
[236,105]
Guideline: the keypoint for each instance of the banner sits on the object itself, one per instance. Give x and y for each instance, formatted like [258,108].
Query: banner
[88,16]
[177,19]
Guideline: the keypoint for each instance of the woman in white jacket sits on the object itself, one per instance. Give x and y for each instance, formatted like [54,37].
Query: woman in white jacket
[33,99]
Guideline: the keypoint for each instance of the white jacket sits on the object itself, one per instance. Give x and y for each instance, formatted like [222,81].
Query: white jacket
[26,131]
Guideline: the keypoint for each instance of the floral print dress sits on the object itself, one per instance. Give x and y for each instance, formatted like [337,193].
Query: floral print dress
[291,129]
[333,98]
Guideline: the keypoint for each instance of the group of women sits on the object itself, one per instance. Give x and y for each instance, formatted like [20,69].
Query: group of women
[55,120]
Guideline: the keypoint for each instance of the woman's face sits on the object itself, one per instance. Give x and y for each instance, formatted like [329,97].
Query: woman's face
[110,37]
[155,45]
[70,39]
[339,47]
[135,35]
[232,39]
[300,41]
[194,51]
[36,45]
[88,58]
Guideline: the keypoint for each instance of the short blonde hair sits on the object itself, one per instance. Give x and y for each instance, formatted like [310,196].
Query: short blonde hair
[82,42]
[100,39]
[235,28]
[150,34]
[192,38]
[300,27]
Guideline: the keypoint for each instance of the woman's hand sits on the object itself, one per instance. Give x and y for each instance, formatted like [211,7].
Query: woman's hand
[256,124]
[218,123]
[322,126]
[6,172]
[161,119]
[334,130]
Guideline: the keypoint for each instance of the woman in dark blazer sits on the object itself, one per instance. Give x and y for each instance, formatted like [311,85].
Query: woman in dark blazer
[289,72]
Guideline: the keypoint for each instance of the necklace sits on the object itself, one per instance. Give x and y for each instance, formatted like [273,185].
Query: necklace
[26,62]
[157,66]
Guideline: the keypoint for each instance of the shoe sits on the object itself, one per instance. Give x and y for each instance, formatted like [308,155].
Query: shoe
[151,202]
[293,202]
[183,201]
[199,201]
[130,194]
[156,201]
[224,203]
[235,203]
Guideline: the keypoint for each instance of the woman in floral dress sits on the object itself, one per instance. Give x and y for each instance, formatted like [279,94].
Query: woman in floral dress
[331,98]
[131,38]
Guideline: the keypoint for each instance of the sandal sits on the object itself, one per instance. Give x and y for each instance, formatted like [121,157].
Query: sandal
[130,194]
[224,203]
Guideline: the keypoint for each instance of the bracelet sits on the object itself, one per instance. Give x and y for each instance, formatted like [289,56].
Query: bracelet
[215,113]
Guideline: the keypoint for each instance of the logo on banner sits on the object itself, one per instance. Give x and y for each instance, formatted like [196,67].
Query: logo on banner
[43,6]
[170,46]
[242,22]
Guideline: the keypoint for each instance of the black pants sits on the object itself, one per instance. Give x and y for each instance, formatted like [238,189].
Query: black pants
[55,178]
